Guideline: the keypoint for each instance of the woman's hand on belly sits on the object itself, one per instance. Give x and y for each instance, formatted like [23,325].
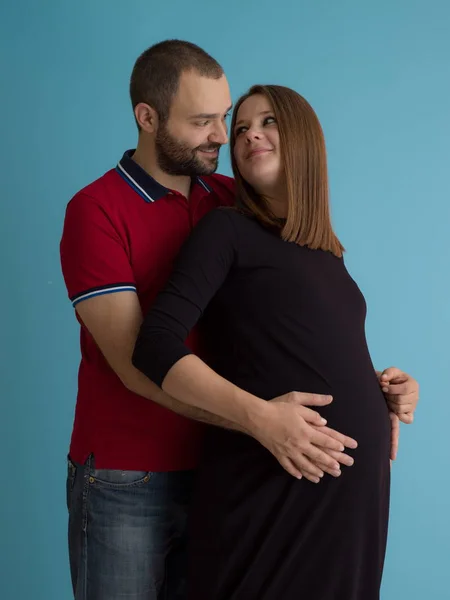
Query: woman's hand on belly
[298,438]
[341,457]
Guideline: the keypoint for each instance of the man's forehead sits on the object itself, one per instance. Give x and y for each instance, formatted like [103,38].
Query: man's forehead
[202,95]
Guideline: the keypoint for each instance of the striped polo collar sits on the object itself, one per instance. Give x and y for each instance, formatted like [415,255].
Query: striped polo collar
[143,183]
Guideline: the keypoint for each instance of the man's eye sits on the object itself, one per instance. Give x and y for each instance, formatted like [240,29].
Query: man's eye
[203,123]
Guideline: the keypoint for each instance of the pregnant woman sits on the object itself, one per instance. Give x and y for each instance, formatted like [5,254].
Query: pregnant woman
[278,310]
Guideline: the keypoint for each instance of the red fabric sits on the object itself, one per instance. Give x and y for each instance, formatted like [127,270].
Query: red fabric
[114,240]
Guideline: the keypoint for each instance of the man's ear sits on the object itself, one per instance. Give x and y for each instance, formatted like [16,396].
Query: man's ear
[146,117]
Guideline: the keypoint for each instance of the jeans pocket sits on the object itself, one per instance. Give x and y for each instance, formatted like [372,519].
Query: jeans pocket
[116,479]
[70,481]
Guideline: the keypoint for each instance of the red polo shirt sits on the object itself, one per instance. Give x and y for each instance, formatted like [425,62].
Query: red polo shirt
[122,232]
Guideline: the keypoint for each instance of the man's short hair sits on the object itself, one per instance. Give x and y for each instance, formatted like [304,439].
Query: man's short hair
[157,71]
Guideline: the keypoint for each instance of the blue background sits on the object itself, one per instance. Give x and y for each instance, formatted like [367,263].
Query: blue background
[378,75]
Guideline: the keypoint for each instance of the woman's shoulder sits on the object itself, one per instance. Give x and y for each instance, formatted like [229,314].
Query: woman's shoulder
[226,216]
[216,228]
[236,215]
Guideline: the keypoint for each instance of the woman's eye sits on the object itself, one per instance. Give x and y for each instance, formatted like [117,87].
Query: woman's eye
[269,120]
[240,130]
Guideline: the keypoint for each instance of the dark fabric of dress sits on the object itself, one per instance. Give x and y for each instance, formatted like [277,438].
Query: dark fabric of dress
[277,317]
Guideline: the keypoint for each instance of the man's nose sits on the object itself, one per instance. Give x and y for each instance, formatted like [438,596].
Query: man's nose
[220,134]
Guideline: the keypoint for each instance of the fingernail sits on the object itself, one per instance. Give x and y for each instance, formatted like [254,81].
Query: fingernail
[323,421]
[336,473]
[385,389]
[341,448]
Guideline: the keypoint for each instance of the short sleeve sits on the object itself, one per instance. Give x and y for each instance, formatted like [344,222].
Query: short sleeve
[94,258]
[201,269]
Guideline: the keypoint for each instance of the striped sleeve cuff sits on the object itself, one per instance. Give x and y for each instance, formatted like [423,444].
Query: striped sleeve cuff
[102,290]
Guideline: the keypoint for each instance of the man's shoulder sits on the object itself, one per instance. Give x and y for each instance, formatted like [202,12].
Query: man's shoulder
[101,191]
[223,186]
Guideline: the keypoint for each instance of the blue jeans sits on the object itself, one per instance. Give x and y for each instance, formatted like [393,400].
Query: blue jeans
[127,533]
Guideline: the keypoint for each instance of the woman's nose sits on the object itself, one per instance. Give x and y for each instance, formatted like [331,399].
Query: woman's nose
[252,135]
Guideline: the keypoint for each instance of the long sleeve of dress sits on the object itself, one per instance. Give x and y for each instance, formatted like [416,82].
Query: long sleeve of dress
[201,268]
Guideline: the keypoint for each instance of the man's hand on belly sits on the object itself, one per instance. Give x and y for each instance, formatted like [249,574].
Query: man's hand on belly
[402,395]
[401,392]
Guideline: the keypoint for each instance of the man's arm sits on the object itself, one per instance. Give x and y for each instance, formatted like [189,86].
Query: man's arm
[114,320]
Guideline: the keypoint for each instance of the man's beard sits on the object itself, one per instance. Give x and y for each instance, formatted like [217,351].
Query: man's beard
[177,158]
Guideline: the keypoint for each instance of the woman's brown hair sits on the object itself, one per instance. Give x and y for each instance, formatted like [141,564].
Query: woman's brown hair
[304,163]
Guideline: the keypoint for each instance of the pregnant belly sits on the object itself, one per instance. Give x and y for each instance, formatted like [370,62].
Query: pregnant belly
[362,414]
[358,410]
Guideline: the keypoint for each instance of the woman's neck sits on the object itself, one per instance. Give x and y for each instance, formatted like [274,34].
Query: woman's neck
[277,204]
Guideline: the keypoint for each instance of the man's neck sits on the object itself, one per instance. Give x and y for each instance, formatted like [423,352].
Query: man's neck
[146,159]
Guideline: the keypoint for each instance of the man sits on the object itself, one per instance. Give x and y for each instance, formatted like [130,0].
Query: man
[133,452]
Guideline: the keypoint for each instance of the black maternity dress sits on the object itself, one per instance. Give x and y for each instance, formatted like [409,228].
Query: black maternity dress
[277,317]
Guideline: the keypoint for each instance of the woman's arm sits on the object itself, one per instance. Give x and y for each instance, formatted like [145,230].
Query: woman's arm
[202,267]
[285,427]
